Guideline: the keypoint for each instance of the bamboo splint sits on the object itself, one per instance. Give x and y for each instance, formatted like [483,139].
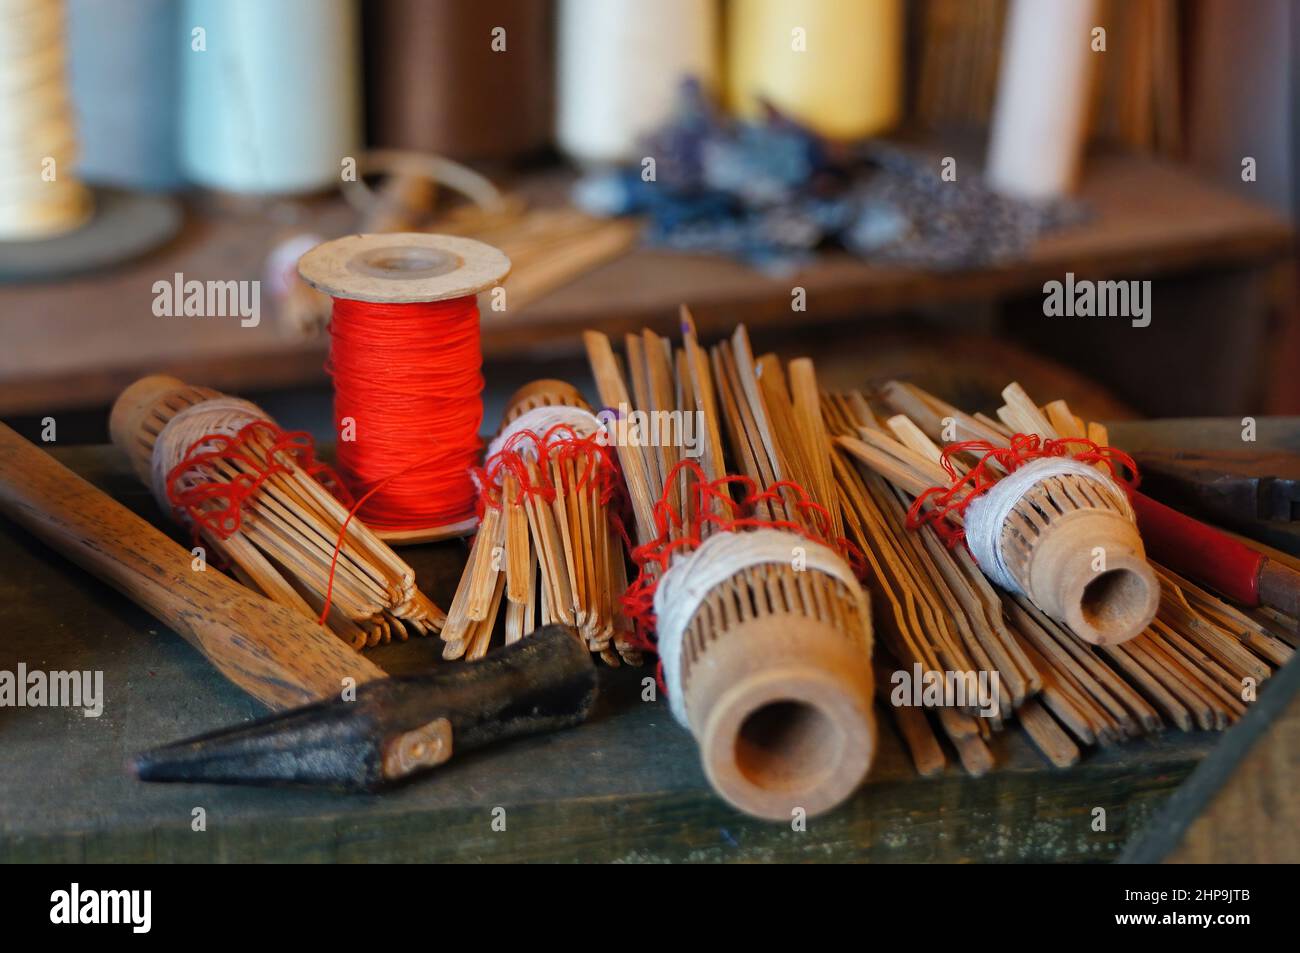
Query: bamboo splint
[284,546]
[771,672]
[556,559]
[1188,668]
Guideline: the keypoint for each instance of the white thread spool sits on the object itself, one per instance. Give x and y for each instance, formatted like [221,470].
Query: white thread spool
[39,195]
[272,105]
[1040,115]
[621,64]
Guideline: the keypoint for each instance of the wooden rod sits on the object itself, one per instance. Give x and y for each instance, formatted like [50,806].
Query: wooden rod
[270,651]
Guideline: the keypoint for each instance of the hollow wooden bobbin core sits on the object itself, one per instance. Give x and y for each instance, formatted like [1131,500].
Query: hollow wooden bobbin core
[141,412]
[1071,546]
[777,682]
[406,268]
[546,392]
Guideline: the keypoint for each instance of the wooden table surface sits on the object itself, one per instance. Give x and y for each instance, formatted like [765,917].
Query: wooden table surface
[627,786]
[76,343]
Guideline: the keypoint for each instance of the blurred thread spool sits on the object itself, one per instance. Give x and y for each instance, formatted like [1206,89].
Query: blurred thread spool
[40,197]
[621,63]
[125,74]
[835,65]
[422,56]
[272,104]
[1040,115]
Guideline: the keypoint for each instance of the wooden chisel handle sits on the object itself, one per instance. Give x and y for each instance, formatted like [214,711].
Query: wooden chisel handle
[272,652]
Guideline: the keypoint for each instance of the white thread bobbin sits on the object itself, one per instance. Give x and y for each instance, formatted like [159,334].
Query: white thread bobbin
[987,513]
[765,640]
[220,416]
[1063,533]
[540,420]
[690,579]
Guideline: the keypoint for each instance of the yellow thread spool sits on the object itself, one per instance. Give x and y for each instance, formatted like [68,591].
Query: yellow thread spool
[833,64]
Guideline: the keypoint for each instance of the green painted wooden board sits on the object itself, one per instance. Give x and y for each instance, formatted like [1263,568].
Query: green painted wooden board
[627,786]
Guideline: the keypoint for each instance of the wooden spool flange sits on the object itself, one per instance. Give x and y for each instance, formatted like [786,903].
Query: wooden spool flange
[778,689]
[405,268]
[1072,547]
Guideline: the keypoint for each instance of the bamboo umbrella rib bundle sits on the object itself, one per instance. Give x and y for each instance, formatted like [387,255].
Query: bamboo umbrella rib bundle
[548,543]
[1186,668]
[1050,525]
[264,511]
[763,631]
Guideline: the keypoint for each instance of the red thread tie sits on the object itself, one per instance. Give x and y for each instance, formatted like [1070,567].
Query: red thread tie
[594,464]
[949,502]
[655,557]
[217,505]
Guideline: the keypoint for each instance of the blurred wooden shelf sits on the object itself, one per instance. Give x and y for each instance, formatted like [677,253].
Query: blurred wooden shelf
[78,342]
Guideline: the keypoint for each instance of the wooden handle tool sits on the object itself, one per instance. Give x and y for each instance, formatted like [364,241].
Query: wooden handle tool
[397,727]
[272,652]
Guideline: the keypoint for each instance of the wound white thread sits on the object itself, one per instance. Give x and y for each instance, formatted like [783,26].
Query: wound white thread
[540,420]
[988,512]
[689,580]
[225,416]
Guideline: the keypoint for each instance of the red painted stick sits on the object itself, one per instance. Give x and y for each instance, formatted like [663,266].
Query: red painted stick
[1193,549]
[1210,556]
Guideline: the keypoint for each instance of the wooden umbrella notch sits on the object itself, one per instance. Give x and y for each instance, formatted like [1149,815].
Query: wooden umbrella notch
[762,628]
[255,495]
[549,546]
[764,636]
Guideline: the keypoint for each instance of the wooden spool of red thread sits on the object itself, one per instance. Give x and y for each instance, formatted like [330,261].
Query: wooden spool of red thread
[410,283]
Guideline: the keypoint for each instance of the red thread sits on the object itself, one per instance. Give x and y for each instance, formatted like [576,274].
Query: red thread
[715,502]
[594,464]
[952,500]
[409,378]
[215,504]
